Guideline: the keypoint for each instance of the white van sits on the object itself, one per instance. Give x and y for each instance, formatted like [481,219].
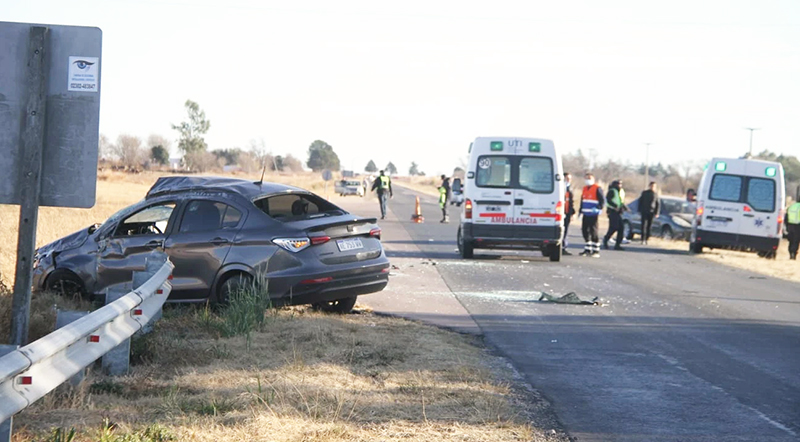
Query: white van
[513,197]
[740,206]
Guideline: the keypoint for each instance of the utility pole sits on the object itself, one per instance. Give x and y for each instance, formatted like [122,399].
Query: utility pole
[646,164]
[751,129]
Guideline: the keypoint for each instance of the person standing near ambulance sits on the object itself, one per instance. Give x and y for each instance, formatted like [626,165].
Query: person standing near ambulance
[793,226]
[591,207]
[444,198]
[383,186]
[569,210]
[615,200]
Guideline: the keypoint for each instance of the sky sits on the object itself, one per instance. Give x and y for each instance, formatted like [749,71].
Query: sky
[419,80]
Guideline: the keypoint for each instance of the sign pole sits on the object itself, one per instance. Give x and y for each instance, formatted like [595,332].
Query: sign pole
[32,144]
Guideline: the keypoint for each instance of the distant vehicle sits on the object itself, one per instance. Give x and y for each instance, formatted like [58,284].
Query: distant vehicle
[456,192]
[740,206]
[349,187]
[223,234]
[348,174]
[673,222]
[514,197]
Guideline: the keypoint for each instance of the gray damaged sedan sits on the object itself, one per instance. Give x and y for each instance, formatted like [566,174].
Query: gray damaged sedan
[222,234]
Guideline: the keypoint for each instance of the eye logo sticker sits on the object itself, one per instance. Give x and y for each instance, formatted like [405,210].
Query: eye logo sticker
[83,74]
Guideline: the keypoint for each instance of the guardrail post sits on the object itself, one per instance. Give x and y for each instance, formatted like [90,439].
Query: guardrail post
[64,317]
[152,264]
[8,425]
[117,361]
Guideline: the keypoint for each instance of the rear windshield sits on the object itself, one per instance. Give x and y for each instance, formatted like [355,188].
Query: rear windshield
[758,193]
[670,206]
[534,174]
[297,206]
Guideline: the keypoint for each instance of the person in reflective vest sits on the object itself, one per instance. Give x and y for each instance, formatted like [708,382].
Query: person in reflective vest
[615,200]
[444,196]
[793,226]
[569,210]
[383,186]
[591,208]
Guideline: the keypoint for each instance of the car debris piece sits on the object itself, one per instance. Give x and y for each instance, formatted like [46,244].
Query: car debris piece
[569,298]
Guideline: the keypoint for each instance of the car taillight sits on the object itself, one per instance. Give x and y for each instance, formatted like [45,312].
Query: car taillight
[293,245]
[375,233]
[468,209]
[699,215]
[747,208]
[780,224]
[316,240]
[559,210]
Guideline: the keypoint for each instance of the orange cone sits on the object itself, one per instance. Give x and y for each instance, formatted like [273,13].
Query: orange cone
[417,216]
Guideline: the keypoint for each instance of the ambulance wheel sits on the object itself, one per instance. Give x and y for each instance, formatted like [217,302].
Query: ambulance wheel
[465,248]
[695,247]
[554,252]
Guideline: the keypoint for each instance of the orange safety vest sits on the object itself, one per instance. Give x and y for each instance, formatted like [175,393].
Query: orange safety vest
[590,206]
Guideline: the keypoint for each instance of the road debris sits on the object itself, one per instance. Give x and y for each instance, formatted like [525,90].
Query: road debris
[569,298]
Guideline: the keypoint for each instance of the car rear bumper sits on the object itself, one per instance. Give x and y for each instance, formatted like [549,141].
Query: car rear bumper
[511,236]
[736,241]
[330,286]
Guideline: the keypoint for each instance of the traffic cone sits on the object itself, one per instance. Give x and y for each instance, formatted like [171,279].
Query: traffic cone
[417,216]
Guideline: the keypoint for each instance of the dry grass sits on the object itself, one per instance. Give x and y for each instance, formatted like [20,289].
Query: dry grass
[781,267]
[305,376]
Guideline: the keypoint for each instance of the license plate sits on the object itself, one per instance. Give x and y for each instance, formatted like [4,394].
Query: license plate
[349,244]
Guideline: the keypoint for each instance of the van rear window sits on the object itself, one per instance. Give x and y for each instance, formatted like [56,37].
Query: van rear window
[761,194]
[726,188]
[536,174]
[493,171]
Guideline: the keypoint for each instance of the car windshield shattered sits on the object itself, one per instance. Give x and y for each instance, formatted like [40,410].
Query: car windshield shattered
[297,206]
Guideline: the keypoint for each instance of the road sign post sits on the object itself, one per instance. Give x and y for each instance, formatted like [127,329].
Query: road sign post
[327,176]
[49,128]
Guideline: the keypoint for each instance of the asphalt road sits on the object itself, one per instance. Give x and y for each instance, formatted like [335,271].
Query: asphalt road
[682,349]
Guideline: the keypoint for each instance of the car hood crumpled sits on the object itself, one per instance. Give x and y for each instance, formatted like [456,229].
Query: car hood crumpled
[68,242]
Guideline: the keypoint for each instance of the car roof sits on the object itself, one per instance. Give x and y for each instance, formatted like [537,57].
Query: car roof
[248,189]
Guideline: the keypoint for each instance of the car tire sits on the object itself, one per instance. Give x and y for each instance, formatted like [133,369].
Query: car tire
[666,232]
[554,252]
[464,248]
[66,283]
[695,247]
[627,230]
[344,305]
[233,284]
[768,254]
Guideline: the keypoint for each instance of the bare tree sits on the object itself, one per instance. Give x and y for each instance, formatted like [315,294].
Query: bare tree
[129,152]
[105,147]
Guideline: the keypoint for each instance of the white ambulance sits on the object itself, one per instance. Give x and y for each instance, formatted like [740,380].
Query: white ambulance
[740,206]
[513,197]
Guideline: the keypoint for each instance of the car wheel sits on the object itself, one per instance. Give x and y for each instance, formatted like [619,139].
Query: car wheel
[695,247]
[464,248]
[627,231]
[768,254]
[554,252]
[343,305]
[666,232]
[233,284]
[65,283]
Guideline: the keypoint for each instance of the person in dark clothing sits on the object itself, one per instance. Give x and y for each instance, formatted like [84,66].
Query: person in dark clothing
[569,211]
[444,198]
[383,186]
[615,201]
[648,208]
[591,208]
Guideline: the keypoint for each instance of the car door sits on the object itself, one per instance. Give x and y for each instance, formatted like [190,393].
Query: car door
[634,217]
[723,208]
[760,213]
[537,196]
[130,241]
[199,244]
[494,196]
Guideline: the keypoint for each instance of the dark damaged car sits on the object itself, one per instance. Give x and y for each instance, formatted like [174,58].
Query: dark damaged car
[221,234]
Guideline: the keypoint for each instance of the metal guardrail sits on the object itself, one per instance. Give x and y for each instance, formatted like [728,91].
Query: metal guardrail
[31,372]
